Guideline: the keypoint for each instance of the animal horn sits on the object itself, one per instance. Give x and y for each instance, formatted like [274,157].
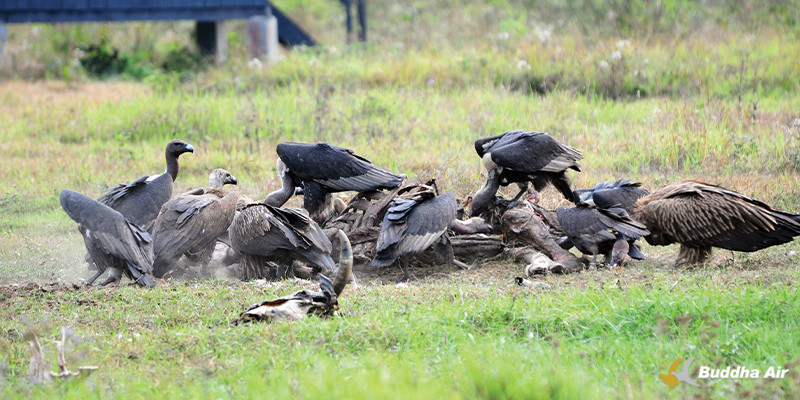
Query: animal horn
[345,264]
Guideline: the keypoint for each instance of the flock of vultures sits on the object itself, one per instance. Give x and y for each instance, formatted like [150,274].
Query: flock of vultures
[139,229]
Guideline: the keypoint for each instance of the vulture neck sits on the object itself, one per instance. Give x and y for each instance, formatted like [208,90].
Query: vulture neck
[172,165]
[485,196]
[279,197]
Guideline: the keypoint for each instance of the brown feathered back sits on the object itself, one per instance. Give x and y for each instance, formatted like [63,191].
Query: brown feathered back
[700,215]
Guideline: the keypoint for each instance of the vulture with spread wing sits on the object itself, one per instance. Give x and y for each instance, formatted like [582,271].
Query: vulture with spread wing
[412,225]
[112,242]
[189,224]
[701,216]
[261,233]
[522,157]
[321,169]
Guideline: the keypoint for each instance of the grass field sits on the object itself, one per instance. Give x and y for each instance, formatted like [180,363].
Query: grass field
[657,99]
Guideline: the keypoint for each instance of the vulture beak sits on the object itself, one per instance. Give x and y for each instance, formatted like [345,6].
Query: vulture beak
[233,180]
[188,148]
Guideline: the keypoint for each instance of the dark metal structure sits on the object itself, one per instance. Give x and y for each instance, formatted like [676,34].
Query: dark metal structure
[203,11]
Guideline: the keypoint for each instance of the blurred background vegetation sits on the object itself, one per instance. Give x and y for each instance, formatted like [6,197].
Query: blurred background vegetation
[617,49]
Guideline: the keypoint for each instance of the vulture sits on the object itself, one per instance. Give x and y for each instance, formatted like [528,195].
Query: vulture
[112,242]
[594,231]
[412,225]
[140,201]
[622,194]
[189,224]
[700,216]
[321,169]
[521,157]
[261,232]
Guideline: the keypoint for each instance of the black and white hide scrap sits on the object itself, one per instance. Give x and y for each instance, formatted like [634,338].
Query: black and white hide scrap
[305,302]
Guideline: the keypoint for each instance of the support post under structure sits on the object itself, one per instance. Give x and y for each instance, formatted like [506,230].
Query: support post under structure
[262,37]
[3,36]
[211,40]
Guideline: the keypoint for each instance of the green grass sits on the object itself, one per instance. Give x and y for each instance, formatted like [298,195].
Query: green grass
[666,91]
[435,339]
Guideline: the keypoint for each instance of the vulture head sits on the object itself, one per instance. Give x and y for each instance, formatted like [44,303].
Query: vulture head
[177,147]
[219,178]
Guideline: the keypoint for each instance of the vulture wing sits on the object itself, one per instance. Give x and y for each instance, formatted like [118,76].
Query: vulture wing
[307,231]
[582,221]
[622,193]
[697,215]
[412,225]
[140,201]
[111,230]
[261,230]
[191,221]
[533,152]
[334,167]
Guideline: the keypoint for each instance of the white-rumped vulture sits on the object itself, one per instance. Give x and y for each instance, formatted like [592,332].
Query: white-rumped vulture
[622,193]
[113,243]
[261,233]
[321,169]
[413,225]
[141,200]
[594,231]
[700,216]
[521,157]
[189,224]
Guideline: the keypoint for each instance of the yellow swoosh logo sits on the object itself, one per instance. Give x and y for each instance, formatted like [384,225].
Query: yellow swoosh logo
[670,379]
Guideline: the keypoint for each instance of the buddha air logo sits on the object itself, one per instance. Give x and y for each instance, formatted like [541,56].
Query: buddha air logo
[673,378]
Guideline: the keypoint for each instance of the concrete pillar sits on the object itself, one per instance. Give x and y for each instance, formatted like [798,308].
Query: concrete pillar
[211,39]
[3,36]
[262,37]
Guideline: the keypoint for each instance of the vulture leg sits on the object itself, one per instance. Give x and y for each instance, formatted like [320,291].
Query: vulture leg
[692,255]
[561,182]
[252,267]
[94,277]
[114,275]
[523,188]
[593,263]
[283,271]
[403,264]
